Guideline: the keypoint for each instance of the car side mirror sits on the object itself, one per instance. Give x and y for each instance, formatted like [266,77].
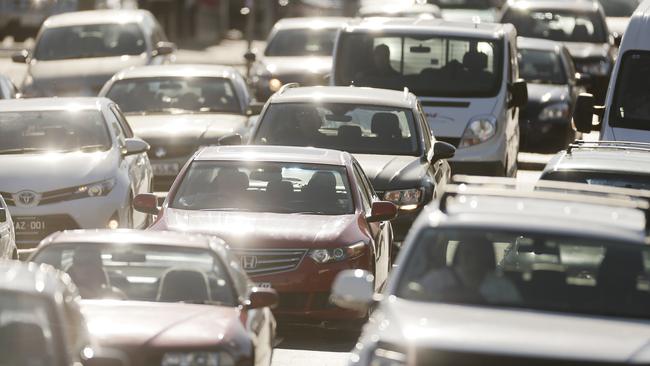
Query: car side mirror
[354,289]
[583,79]
[583,115]
[20,57]
[146,203]
[442,150]
[133,146]
[262,298]
[3,214]
[164,49]
[382,211]
[255,108]
[229,140]
[519,94]
[250,56]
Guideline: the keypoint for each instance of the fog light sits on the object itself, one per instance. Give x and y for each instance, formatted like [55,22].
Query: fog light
[113,224]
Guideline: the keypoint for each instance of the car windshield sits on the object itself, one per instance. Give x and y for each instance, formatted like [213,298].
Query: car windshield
[52,131]
[631,104]
[142,272]
[286,188]
[556,25]
[537,271]
[175,95]
[302,42]
[92,40]
[541,67]
[27,336]
[427,65]
[630,180]
[359,129]
[619,8]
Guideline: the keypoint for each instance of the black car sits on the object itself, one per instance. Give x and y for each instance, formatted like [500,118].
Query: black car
[386,131]
[553,88]
[580,25]
[609,163]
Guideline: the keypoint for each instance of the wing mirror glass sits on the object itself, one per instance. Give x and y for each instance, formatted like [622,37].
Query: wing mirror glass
[262,298]
[164,48]
[146,203]
[20,57]
[134,146]
[442,150]
[382,211]
[229,140]
[583,115]
[354,290]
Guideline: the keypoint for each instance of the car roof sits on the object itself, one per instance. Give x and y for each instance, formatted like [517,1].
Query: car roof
[288,154]
[345,94]
[311,22]
[95,17]
[33,279]
[52,104]
[613,157]
[130,237]
[178,70]
[538,44]
[430,26]
[567,5]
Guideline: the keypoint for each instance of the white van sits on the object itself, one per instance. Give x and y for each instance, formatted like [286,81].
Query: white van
[626,114]
[464,74]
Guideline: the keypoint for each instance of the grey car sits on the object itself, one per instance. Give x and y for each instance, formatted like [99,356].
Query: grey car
[76,53]
[493,275]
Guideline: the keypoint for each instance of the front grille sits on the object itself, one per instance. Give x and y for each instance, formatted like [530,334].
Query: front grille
[261,262]
[55,196]
[455,141]
[33,229]
[161,150]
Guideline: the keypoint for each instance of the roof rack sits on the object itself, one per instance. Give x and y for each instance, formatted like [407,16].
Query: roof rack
[625,145]
[288,86]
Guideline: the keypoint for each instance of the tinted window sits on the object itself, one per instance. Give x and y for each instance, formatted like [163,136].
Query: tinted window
[427,65]
[175,95]
[302,42]
[142,272]
[528,270]
[631,104]
[92,40]
[558,25]
[265,187]
[619,8]
[628,180]
[43,131]
[354,128]
[541,67]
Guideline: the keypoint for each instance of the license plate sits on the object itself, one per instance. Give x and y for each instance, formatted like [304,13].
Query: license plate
[165,168]
[263,285]
[29,225]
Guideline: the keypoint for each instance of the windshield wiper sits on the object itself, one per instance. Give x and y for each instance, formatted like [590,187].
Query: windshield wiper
[225,209]
[167,110]
[92,147]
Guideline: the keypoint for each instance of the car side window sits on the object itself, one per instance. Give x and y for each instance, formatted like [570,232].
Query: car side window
[124,124]
[569,64]
[428,135]
[366,198]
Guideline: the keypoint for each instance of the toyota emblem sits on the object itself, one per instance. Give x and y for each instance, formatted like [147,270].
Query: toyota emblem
[27,199]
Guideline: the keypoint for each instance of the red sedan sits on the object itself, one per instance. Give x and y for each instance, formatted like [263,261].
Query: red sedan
[294,216]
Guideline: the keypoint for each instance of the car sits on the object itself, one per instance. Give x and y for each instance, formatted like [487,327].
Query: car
[406,9]
[580,25]
[180,299]
[41,322]
[294,217]
[69,163]
[7,88]
[618,13]
[385,130]
[553,89]
[465,10]
[553,274]
[76,53]
[610,163]
[298,50]
[178,108]
[624,114]
[8,248]
[22,19]
[471,94]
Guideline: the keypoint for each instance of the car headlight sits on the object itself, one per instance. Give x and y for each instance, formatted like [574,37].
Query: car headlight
[406,199]
[323,256]
[275,85]
[597,68]
[384,357]
[479,130]
[98,189]
[554,111]
[197,359]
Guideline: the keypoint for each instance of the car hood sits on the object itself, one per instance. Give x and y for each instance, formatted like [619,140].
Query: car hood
[392,171]
[618,24]
[512,332]
[242,229]
[279,66]
[186,126]
[158,325]
[46,172]
[547,93]
[581,50]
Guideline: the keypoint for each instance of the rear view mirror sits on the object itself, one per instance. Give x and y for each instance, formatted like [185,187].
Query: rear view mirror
[442,150]
[20,57]
[583,115]
[262,298]
[519,94]
[229,140]
[146,203]
[354,290]
[3,214]
[420,49]
[164,48]
[382,211]
[134,146]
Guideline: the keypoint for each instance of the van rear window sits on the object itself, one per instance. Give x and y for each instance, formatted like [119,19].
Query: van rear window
[631,104]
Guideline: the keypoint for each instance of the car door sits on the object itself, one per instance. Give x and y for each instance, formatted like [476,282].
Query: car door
[6,233]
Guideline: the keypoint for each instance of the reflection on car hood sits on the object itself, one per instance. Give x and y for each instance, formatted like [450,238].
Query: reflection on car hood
[547,93]
[46,172]
[243,229]
[158,325]
[580,50]
[186,126]
[279,66]
[475,329]
[392,171]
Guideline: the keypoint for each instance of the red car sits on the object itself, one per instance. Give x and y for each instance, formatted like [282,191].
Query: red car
[294,216]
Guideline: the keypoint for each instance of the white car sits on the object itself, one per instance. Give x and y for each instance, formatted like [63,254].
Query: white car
[69,163]
[8,247]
